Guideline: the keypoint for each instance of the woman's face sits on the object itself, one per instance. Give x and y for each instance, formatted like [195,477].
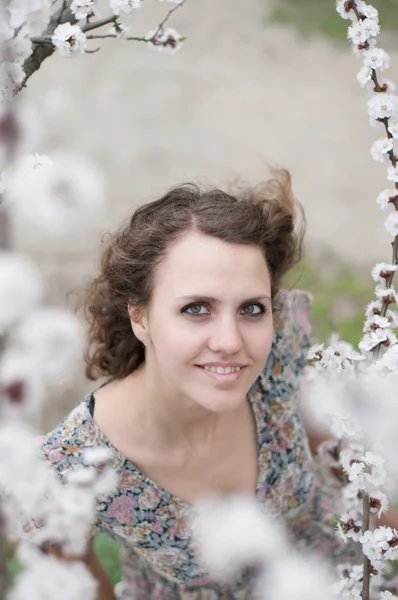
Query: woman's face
[211,307]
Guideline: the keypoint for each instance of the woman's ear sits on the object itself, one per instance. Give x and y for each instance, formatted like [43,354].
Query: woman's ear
[139,324]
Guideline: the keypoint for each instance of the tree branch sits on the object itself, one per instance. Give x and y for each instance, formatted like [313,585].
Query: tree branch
[44,49]
[167,17]
[366,562]
[97,24]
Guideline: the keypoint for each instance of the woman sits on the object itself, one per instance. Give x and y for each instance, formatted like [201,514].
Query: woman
[203,358]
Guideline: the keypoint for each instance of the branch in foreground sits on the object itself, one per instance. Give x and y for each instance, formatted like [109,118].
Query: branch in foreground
[44,46]
[44,50]
[366,562]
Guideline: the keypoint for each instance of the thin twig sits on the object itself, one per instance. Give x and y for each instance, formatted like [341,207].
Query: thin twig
[167,17]
[112,35]
[366,562]
[101,23]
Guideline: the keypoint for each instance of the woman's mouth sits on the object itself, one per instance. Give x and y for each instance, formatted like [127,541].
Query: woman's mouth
[222,373]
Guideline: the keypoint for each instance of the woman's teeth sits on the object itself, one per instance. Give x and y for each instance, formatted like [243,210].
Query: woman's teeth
[223,371]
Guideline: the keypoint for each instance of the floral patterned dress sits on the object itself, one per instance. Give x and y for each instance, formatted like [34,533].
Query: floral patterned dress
[152,525]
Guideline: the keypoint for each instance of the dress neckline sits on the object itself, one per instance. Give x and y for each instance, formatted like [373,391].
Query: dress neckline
[168,496]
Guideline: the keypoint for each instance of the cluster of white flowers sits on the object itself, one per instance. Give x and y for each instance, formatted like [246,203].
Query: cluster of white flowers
[338,359]
[40,346]
[24,25]
[358,387]
[379,544]
[349,526]
[21,20]
[165,40]
[349,586]
[236,532]
[84,9]
[382,101]
[124,7]
[69,39]
[55,195]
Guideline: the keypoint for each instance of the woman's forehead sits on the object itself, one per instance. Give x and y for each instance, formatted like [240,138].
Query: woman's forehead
[199,264]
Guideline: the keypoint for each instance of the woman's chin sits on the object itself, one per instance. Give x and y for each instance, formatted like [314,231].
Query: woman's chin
[219,403]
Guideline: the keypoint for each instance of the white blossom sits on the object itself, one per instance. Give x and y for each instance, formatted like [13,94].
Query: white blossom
[347,589]
[18,48]
[381,105]
[393,128]
[364,75]
[370,547]
[376,475]
[386,294]
[307,579]
[97,456]
[12,73]
[359,50]
[124,6]
[165,39]
[376,58]
[119,30]
[371,27]
[21,382]
[343,426]
[361,31]
[391,223]
[48,577]
[383,270]
[387,595]
[315,352]
[53,338]
[56,198]
[375,322]
[69,39]
[233,533]
[380,148]
[385,197]
[29,17]
[344,12]
[392,174]
[387,84]
[390,358]
[349,526]
[82,9]
[369,11]
[382,322]
[372,339]
[373,308]
[22,287]
[392,316]
[357,34]
[380,499]
[339,356]
[375,543]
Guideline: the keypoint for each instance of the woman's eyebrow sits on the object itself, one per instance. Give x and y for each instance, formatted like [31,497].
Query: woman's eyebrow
[196,298]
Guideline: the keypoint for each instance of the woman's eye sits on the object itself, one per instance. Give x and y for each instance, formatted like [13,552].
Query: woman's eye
[194,309]
[260,311]
[250,310]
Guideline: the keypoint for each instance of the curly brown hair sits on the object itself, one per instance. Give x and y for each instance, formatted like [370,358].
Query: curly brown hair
[263,216]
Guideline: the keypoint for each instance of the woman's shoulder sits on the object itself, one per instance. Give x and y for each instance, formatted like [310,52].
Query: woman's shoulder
[292,340]
[291,311]
[292,327]
[64,446]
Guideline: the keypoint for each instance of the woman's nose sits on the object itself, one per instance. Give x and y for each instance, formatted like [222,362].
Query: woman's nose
[226,337]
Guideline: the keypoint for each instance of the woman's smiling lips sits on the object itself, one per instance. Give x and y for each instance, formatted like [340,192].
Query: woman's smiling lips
[222,371]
